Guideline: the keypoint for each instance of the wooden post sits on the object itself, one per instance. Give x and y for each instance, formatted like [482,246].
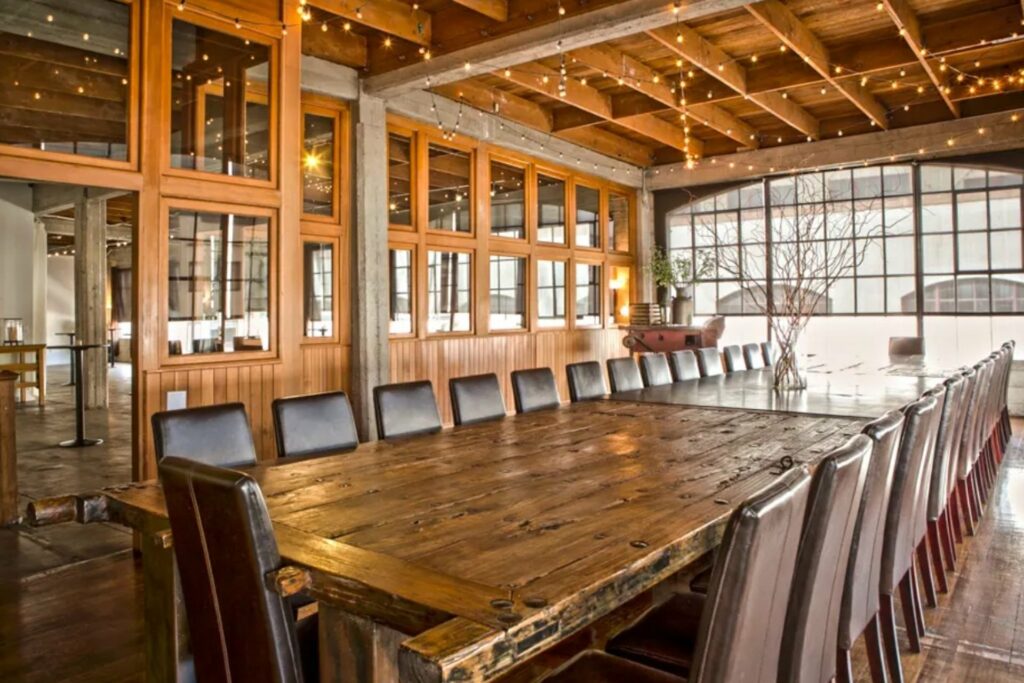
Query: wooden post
[166,633]
[90,294]
[354,648]
[8,456]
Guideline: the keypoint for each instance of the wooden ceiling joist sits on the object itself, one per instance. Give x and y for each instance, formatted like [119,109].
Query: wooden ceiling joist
[715,62]
[910,28]
[388,16]
[493,9]
[797,37]
[643,79]
[345,48]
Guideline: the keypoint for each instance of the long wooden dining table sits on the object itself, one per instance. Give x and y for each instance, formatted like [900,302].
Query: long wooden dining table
[458,556]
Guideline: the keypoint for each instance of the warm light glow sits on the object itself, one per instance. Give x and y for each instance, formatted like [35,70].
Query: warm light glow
[617,283]
[624,310]
[311,161]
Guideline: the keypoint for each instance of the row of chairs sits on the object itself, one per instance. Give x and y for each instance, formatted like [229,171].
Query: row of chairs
[812,564]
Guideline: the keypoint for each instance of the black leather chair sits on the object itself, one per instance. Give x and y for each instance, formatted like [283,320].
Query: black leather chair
[476,398]
[406,409]
[684,365]
[734,361]
[768,353]
[654,370]
[240,629]
[624,374]
[586,381]
[318,424]
[753,357]
[710,362]
[736,631]
[535,390]
[216,435]
[812,619]
[859,611]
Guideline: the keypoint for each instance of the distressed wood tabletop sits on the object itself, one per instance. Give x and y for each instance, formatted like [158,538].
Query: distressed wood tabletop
[491,542]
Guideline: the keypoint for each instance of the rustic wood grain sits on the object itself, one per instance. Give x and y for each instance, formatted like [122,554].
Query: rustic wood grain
[8,454]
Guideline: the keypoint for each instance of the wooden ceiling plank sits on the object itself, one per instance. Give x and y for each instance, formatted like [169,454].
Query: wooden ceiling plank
[500,103]
[388,16]
[788,111]
[910,28]
[345,48]
[492,9]
[609,144]
[664,132]
[781,21]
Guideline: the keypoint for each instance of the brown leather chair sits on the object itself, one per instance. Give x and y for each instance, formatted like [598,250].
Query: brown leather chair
[215,435]
[314,425]
[476,398]
[406,409]
[535,390]
[710,362]
[753,357]
[654,370]
[684,365]
[586,381]
[899,543]
[240,629]
[812,619]
[734,361]
[736,631]
[967,475]
[858,613]
[924,565]
[624,374]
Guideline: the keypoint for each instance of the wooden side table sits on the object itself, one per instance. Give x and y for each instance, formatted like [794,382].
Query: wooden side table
[36,368]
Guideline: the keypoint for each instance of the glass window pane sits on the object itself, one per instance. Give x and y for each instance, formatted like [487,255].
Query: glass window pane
[704,230]
[399,179]
[727,200]
[508,292]
[680,233]
[896,180]
[936,178]
[400,269]
[65,90]
[838,185]
[867,218]
[1004,208]
[1007,293]
[968,178]
[870,295]
[901,297]
[220,95]
[618,286]
[752,226]
[618,222]
[937,212]
[752,196]
[810,188]
[1006,250]
[899,215]
[841,296]
[588,215]
[449,291]
[972,294]
[867,182]
[551,293]
[972,251]
[839,220]
[508,200]
[318,288]
[899,256]
[588,294]
[784,227]
[1003,178]
[869,257]
[782,190]
[550,209]
[318,165]
[727,227]
[448,198]
[219,288]
[937,253]
[971,211]
[705,296]
[939,294]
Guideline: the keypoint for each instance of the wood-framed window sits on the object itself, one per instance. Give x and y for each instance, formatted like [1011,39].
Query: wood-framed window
[552,286]
[401,178]
[321,280]
[588,293]
[80,105]
[507,198]
[324,132]
[551,192]
[620,221]
[449,291]
[219,285]
[587,224]
[507,292]
[449,192]
[402,299]
[222,100]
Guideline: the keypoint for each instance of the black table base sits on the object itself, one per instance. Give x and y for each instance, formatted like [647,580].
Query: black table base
[80,440]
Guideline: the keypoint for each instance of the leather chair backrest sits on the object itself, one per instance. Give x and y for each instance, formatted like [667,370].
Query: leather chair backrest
[963,466]
[734,360]
[753,357]
[406,409]
[240,629]
[812,619]
[624,374]
[709,361]
[977,423]
[924,483]
[684,365]
[319,424]
[949,418]
[740,632]
[654,370]
[768,353]
[215,435]
[586,381]
[476,398]
[535,390]
[899,543]
[860,594]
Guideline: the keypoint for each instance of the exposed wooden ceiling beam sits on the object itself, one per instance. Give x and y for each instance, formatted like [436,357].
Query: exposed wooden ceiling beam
[389,16]
[797,37]
[334,45]
[910,28]
[540,78]
[494,9]
[712,60]
[644,79]
[598,26]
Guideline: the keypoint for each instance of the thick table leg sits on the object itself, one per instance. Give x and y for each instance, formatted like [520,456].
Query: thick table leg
[355,649]
[168,656]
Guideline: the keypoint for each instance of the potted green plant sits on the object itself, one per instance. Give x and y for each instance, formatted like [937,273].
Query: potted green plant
[663,272]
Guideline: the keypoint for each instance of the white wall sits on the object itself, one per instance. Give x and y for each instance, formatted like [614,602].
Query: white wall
[18,259]
[60,304]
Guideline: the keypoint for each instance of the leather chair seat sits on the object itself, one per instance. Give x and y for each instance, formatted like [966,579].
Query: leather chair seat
[593,666]
[666,637]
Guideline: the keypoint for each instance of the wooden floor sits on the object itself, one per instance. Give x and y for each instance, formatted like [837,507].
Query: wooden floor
[83,622]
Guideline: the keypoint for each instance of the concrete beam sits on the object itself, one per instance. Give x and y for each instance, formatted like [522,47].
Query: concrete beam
[50,198]
[327,78]
[504,133]
[58,225]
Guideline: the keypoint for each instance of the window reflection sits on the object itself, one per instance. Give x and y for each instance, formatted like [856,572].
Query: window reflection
[551,293]
[508,292]
[588,294]
[399,179]
[400,270]
[449,290]
[449,199]
[588,212]
[318,165]
[550,209]
[318,288]
[618,222]
[508,200]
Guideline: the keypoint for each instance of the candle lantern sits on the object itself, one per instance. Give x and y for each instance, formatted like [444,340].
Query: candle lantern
[13,331]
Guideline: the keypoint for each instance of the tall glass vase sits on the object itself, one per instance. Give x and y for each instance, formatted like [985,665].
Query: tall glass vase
[791,365]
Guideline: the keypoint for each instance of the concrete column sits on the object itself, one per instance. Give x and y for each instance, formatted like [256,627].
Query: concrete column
[90,294]
[645,242]
[369,262]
